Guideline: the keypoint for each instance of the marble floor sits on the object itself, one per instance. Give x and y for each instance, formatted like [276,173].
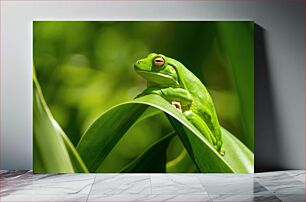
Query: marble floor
[271,186]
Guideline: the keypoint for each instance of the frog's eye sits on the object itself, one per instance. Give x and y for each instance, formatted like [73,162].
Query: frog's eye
[158,61]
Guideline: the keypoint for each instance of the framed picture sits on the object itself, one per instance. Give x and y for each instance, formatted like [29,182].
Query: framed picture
[143,96]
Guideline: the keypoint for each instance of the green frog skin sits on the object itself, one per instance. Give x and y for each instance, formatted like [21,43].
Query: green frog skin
[171,80]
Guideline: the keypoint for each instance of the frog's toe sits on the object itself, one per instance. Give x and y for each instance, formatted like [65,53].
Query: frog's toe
[222,151]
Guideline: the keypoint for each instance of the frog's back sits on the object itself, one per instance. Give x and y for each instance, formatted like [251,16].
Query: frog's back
[188,81]
[202,101]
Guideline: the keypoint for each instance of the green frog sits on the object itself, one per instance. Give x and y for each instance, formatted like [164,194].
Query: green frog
[171,80]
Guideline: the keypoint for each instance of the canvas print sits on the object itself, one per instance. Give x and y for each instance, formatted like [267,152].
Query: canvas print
[143,97]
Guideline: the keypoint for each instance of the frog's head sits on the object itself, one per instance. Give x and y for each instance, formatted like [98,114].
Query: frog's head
[155,68]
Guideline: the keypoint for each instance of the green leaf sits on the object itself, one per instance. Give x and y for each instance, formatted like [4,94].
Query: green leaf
[237,154]
[238,44]
[153,160]
[202,153]
[238,158]
[101,137]
[53,151]
[181,164]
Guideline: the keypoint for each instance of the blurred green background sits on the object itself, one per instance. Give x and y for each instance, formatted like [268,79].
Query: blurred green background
[85,68]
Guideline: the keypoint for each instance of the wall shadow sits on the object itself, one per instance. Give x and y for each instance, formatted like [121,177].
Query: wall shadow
[267,137]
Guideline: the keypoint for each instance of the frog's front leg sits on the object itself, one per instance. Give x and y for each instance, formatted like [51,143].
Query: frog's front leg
[201,126]
[178,97]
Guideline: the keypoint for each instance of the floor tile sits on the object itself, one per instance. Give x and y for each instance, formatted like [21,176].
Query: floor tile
[15,180]
[47,184]
[175,184]
[283,185]
[43,198]
[298,175]
[148,198]
[259,189]
[14,174]
[3,171]
[272,173]
[216,184]
[177,198]
[271,176]
[266,197]
[244,198]
[116,184]
[287,186]
[286,189]
[292,197]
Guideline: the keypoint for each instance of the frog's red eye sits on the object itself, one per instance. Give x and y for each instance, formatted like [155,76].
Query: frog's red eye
[158,61]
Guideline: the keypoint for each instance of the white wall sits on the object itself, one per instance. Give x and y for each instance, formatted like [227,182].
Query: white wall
[283,28]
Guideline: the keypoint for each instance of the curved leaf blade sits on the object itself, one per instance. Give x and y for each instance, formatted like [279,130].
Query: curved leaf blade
[53,151]
[237,40]
[182,164]
[101,137]
[237,155]
[153,160]
[107,130]
[204,156]
[238,158]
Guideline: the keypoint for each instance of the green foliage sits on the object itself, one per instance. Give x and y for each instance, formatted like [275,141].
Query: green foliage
[86,68]
[53,151]
[153,160]
[238,44]
[106,131]
[101,137]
